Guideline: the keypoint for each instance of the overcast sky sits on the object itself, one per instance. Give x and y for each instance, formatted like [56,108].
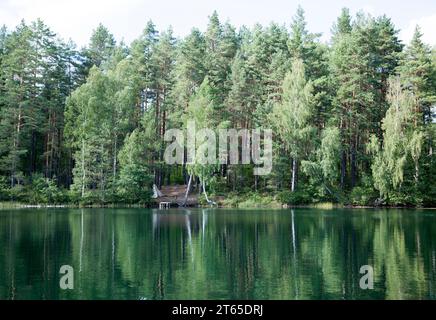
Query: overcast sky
[126,19]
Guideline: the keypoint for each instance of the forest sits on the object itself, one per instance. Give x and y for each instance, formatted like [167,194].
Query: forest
[352,119]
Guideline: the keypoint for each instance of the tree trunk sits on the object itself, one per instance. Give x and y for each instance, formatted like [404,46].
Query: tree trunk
[343,169]
[168,172]
[205,194]
[83,168]
[353,166]
[294,175]
[187,191]
[114,165]
[15,148]
[32,153]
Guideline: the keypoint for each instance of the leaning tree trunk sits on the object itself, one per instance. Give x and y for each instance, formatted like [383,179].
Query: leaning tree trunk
[187,191]
[205,194]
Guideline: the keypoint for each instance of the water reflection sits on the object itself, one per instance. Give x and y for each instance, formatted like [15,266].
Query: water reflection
[217,254]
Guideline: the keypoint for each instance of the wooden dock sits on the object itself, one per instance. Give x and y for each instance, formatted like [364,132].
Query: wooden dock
[164,205]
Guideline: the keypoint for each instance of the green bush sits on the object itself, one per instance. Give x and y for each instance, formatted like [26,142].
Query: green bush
[44,191]
[256,200]
[4,189]
[90,197]
[231,200]
[404,198]
[217,185]
[250,200]
[18,193]
[134,185]
[298,197]
[363,196]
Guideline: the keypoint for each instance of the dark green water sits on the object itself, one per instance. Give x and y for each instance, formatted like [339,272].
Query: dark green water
[217,254]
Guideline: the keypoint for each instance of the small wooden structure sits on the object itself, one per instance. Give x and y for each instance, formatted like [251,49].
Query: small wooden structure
[164,205]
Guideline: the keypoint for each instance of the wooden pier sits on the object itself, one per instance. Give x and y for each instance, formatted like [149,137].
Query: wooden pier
[164,205]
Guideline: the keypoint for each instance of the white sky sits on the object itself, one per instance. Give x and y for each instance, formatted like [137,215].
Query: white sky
[126,19]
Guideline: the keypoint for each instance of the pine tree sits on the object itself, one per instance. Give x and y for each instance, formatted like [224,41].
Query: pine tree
[54,66]
[17,120]
[3,35]
[190,69]
[244,94]
[342,25]
[354,97]
[306,46]
[101,47]
[94,119]
[417,71]
[163,59]
[221,47]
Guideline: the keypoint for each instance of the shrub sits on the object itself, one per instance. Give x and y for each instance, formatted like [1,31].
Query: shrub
[231,200]
[256,200]
[404,198]
[43,191]
[363,196]
[297,197]
[18,193]
[250,200]
[4,189]
[217,185]
[134,185]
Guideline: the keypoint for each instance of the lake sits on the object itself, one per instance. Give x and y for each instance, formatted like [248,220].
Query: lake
[217,253]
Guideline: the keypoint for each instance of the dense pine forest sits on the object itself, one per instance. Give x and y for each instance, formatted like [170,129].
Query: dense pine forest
[352,119]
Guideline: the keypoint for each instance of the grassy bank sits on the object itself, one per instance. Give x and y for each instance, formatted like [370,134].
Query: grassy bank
[242,200]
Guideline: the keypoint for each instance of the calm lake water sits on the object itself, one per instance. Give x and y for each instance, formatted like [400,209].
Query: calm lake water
[217,253]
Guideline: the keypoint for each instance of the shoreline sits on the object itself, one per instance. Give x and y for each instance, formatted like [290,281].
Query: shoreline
[324,206]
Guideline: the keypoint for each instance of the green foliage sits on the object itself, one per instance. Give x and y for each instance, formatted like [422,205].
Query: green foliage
[200,110]
[45,191]
[38,190]
[298,197]
[348,116]
[250,200]
[255,200]
[134,183]
[325,168]
[364,194]
[18,193]
[292,116]
[218,185]
[402,141]
[4,189]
